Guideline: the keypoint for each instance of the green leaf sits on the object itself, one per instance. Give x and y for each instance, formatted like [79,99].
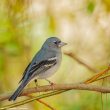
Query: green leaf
[90,7]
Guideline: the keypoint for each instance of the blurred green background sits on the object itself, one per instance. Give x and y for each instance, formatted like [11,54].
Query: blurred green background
[83,24]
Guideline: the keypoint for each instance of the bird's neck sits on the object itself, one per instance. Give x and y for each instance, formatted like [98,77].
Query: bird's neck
[52,50]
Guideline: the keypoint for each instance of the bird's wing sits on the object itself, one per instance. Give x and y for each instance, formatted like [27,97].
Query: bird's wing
[24,73]
[42,66]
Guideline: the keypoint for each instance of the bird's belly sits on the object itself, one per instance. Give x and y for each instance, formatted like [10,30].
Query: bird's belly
[49,72]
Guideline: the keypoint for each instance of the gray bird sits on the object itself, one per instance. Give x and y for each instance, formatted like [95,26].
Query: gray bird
[44,64]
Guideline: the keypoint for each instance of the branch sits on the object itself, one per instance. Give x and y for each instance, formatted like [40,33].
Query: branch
[31,99]
[60,87]
[80,61]
[42,102]
[97,76]
[39,89]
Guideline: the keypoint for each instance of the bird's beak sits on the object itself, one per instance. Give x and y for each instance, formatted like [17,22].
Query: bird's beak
[61,44]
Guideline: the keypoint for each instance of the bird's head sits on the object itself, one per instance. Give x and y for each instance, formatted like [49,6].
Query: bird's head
[54,43]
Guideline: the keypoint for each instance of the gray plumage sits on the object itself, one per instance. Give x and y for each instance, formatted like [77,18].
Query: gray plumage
[44,64]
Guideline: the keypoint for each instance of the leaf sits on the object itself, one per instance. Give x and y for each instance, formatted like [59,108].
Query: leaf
[90,7]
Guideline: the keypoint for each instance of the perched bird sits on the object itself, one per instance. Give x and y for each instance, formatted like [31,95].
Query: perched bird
[44,64]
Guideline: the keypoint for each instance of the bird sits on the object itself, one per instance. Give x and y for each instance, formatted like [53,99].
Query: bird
[43,65]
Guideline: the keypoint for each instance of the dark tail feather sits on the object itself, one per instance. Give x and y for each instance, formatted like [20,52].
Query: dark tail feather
[18,91]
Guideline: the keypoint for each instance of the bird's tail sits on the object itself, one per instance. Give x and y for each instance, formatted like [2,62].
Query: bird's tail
[18,91]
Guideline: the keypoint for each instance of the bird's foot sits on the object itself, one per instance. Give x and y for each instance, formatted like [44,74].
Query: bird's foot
[36,83]
[51,84]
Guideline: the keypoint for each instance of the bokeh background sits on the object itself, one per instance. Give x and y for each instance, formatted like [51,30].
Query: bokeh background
[83,24]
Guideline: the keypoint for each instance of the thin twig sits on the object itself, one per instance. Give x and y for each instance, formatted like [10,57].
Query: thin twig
[39,100]
[105,76]
[102,107]
[102,96]
[95,77]
[42,102]
[30,100]
[73,56]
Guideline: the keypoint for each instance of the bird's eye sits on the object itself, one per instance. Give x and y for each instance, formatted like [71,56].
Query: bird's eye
[55,42]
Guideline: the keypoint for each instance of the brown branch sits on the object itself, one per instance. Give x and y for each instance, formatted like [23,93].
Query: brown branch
[73,56]
[39,100]
[42,102]
[95,77]
[43,88]
[61,87]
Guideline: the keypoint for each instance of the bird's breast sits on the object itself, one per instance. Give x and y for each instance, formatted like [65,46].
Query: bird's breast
[51,70]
